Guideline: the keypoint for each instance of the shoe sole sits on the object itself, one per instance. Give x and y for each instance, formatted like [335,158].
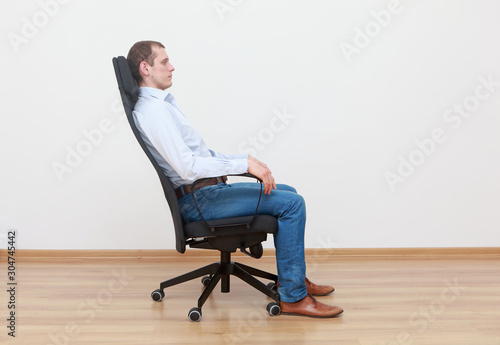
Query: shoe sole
[314,316]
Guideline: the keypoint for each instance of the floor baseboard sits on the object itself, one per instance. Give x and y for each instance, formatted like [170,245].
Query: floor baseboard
[169,253]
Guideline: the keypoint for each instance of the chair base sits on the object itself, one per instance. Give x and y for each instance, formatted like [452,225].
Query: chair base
[221,271]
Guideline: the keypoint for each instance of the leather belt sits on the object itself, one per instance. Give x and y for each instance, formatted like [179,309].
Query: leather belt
[188,188]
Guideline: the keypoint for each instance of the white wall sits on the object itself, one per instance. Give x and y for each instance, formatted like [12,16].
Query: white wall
[355,95]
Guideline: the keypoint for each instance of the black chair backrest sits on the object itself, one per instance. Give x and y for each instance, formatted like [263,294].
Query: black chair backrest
[129,92]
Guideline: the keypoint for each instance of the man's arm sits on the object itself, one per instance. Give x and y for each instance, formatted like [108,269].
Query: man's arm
[160,130]
[255,167]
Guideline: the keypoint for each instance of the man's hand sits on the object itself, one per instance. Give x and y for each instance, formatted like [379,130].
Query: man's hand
[259,169]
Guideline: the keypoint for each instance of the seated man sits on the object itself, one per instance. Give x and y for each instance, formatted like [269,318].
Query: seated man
[184,157]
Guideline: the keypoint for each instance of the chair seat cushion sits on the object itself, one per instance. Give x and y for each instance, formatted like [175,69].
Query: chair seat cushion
[232,226]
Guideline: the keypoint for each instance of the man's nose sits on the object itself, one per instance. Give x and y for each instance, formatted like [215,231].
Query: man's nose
[172,68]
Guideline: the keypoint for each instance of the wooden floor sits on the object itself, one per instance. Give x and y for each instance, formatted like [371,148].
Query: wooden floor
[387,300]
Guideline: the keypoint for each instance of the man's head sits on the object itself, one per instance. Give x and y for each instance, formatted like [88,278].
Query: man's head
[150,65]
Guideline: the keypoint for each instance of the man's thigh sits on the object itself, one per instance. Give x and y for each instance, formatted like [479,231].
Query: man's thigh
[282,187]
[236,200]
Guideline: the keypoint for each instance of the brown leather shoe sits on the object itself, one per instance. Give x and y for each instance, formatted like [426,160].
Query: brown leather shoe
[308,306]
[318,290]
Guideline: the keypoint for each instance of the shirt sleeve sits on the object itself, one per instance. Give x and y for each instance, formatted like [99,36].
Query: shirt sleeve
[224,156]
[163,133]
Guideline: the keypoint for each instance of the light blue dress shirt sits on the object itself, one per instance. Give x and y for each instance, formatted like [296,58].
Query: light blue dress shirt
[175,144]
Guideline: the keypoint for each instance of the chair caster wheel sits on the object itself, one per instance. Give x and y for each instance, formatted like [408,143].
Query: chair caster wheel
[206,280]
[157,295]
[257,251]
[273,309]
[195,314]
[273,286]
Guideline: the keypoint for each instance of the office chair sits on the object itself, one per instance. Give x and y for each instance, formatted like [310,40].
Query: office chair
[225,235]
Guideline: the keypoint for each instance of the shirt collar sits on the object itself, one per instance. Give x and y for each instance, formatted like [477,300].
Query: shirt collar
[164,95]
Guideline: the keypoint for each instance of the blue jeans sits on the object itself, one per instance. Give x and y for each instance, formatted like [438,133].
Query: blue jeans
[240,199]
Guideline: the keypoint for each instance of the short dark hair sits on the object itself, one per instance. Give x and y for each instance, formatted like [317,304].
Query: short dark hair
[141,51]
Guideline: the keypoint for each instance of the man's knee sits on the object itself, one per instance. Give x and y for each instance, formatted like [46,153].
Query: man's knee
[299,201]
[286,187]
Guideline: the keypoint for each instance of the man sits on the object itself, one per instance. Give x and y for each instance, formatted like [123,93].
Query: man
[184,157]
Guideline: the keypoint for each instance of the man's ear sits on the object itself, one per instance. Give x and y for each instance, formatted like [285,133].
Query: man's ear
[144,68]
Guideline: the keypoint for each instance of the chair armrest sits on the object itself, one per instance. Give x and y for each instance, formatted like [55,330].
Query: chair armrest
[214,224]
[248,175]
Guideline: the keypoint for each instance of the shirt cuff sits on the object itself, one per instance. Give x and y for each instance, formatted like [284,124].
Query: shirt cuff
[240,156]
[238,166]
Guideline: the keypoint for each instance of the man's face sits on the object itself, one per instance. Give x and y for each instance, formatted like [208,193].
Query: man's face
[160,74]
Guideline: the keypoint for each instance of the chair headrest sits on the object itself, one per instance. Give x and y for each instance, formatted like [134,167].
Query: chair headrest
[129,83]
